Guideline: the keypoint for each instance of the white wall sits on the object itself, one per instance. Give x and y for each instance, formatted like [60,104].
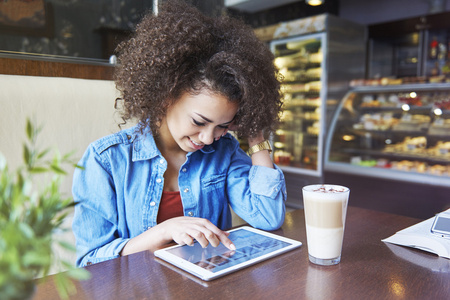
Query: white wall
[73,113]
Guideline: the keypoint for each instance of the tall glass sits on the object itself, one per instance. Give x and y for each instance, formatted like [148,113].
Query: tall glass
[325,207]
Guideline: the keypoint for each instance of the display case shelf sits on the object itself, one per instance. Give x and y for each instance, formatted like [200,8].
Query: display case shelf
[400,156]
[397,110]
[401,133]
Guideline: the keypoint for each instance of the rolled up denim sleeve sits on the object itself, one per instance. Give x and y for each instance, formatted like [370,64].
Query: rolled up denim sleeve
[95,221]
[256,193]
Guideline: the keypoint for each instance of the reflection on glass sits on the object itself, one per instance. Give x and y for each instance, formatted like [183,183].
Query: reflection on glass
[70,28]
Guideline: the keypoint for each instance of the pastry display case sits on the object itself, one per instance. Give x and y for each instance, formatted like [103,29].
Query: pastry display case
[398,132]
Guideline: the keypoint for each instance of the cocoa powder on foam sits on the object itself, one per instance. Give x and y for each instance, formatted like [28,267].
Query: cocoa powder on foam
[323,189]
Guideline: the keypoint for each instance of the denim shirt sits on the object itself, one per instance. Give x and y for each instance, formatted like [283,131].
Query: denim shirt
[119,190]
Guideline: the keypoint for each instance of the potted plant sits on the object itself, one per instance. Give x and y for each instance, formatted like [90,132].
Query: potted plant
[32,209]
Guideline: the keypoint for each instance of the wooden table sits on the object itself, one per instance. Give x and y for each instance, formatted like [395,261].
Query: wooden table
[369,269]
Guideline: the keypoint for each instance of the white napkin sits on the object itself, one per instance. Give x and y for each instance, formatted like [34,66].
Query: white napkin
[419,236]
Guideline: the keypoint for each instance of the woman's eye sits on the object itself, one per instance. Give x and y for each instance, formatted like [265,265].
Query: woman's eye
[198,123]
[223,126]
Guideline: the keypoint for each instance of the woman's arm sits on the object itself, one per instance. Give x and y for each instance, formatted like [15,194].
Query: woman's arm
[256,191]
[95,224]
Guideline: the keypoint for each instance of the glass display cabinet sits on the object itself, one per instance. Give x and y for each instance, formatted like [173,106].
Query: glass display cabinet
[399,132]
[297,144]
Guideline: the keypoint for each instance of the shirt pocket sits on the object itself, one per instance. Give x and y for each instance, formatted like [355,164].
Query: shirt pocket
[214,182]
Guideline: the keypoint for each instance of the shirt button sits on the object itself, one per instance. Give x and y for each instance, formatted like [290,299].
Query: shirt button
[161,161]
[186,190]
[184,170]
[190,214]
[152,203]
[148,228]
[158,180]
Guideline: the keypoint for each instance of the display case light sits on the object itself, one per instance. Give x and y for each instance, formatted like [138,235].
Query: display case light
[348,137]
[315,2]
[437,111]
[406,107]
[278,145]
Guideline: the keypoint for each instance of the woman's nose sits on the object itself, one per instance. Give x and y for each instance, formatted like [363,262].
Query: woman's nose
[206,136]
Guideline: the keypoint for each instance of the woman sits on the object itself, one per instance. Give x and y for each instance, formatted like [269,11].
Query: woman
[187,79]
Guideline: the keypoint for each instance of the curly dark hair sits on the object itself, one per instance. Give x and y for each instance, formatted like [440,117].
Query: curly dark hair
[181,50]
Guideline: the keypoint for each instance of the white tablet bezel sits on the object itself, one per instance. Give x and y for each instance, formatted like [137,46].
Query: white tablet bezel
[207,275]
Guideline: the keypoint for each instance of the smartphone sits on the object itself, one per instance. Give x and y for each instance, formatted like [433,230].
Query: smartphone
[441,225]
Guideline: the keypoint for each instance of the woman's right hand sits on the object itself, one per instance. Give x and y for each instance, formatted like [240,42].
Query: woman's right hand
[182,230]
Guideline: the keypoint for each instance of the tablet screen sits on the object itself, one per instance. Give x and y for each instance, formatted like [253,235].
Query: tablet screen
[251,244]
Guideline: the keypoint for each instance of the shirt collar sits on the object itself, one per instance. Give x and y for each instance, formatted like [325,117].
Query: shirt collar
[144,146]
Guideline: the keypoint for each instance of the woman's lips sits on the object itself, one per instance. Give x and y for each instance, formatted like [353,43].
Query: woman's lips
[195,145]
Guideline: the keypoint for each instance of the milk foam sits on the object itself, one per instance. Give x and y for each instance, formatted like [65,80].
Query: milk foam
[327,192]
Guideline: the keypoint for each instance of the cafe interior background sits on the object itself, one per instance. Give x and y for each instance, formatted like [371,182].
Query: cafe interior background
[360,62]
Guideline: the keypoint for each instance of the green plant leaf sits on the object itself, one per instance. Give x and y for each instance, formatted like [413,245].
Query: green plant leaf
[67,156]
[58,170]
[26,155]
[27,231]
[64,286]
[43,153]
[29,129]
[66,245]
[38,170]
[34,259]
[78,167]
[79,274]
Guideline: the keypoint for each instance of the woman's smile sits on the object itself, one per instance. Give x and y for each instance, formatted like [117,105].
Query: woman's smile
[196,146]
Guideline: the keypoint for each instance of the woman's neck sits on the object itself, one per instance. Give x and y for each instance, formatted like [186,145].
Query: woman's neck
[165,141]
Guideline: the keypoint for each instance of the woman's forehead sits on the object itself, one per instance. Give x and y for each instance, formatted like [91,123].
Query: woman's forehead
[210,106]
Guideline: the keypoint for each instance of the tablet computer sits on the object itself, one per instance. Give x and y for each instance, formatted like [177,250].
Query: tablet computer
[252,246]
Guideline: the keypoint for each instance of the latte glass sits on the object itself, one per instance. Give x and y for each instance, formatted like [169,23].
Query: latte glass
[325,207]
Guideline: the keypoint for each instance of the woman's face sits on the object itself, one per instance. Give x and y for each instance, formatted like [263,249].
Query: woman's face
[196,120]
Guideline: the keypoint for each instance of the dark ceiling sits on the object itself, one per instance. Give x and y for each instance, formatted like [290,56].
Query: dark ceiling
[286,12]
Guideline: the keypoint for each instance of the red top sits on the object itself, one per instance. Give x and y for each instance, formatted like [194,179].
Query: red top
[170,206]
